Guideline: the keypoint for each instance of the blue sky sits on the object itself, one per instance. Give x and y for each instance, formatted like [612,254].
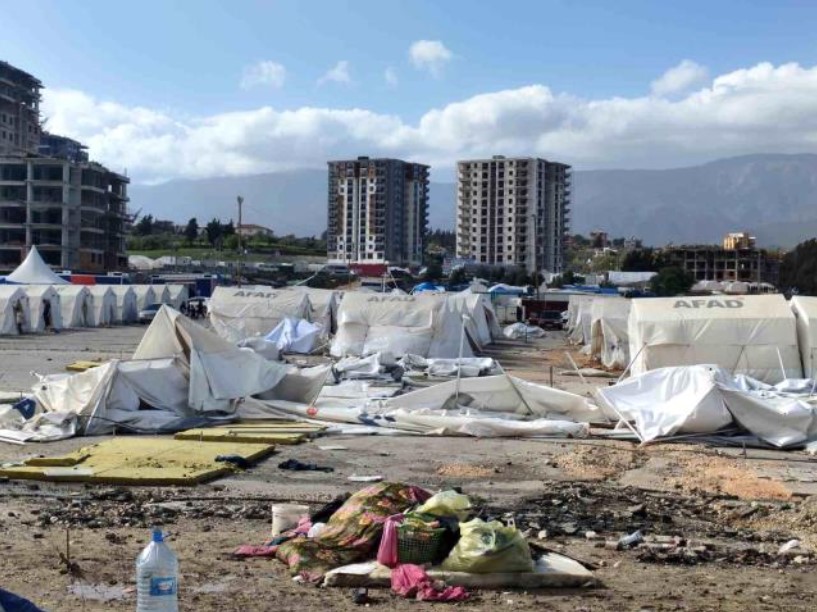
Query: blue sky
[153,80]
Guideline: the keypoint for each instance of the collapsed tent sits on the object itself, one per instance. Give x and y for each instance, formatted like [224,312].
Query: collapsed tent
[145,296]
[76,305]
[14,308]
[413,324]
[34,271]
[805,310]
[237,313]
[753,335]
[609,338]
[295,336]
[705,399]
[522,331]
[177,294]
[490,406]
[481,322]
[103,302]
[43,299]
[127,310]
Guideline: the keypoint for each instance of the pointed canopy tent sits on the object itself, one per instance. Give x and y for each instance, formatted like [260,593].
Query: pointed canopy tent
[126,308]
[34,271]
[104,305]
[38,296]
[12,299]
[76,305]
[753,334]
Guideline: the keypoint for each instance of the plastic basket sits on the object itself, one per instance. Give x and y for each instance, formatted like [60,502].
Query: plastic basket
[418,545]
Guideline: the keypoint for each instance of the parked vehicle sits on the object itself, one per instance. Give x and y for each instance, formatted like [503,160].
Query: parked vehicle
[146,315]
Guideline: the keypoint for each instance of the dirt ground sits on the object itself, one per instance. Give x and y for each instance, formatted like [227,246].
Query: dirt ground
[730,511]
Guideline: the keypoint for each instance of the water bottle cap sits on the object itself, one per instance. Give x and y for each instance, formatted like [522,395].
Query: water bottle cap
[157,535]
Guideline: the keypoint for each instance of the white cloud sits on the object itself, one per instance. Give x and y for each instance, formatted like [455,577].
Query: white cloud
[262,73]
[764,108]
[679,79]
[338,74]
[431,55]
[391,77]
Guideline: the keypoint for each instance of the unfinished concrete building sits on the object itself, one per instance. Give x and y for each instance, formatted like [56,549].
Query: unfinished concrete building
[513,212]
[378,211]
[19,111]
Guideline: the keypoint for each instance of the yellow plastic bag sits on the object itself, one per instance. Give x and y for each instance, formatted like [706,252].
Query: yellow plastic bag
[447,503]
[489,548]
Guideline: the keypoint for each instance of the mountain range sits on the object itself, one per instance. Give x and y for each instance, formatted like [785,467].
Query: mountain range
[772,196]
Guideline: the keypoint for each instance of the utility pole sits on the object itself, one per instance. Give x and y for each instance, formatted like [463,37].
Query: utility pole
[240,201]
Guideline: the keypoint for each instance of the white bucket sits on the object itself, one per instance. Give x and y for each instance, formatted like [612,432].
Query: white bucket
[286,516]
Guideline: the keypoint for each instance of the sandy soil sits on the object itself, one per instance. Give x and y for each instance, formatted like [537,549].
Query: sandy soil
[737,510]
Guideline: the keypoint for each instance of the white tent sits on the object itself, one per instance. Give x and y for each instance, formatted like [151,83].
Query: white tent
[805,310]
[219,372]
[579,318]
[38,297]
[34,271]
[140,262]
[145,296]
[239,313]
[323,306]
[609,339]
[127,310]
[162,294]
[103,301]
[753,335]
[411,324]
[178,295]
[13,300]
[482,323]
[76,305]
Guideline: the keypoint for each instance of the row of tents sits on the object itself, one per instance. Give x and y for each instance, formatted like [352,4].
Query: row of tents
[762,336]
[33,307]
[361,323]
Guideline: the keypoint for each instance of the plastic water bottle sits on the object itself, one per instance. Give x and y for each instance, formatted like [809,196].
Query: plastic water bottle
[157,577]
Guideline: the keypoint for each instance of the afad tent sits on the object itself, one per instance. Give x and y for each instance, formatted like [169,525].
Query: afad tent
[752,335]
[13,304]
[481,321]
[127,310]
[162,294]
[178,294]
[145,296]
[609,338]
[38,297]
[76,305]
[421,325]
[323,307]
[238,314]
[103,300]
[34,271]
[805,310]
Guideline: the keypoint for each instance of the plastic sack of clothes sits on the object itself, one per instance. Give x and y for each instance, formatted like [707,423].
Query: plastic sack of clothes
[353,532]
[447,503]
[487,548]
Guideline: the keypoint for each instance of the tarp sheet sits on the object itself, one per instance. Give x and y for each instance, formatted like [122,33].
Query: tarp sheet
[239,313]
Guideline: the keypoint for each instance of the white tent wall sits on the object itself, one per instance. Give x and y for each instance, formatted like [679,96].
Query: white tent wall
[38,295]
[12,298]
[127,309]
[237,313]
[609,338]
[323,307]
[805,311]
[481,322]
[580,326]
[162,294]
[145,296]
[178,295]
[76,305]
[753,335]
[103,312]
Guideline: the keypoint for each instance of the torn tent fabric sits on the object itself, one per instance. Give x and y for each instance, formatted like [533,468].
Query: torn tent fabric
[238,313]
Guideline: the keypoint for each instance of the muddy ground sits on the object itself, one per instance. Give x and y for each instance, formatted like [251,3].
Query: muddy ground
[714,519]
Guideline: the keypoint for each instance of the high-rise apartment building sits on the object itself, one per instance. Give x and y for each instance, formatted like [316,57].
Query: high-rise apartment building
[51,196]
[378,211]
[513,212]
[19,111]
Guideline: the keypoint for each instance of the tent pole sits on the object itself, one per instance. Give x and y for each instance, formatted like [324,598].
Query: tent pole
[629,365]
[780,359]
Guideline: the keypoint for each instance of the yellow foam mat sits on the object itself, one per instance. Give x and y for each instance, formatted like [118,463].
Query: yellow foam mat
[81,365]
[241,437]
[140,461]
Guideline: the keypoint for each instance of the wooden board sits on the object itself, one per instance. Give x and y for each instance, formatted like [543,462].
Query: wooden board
[82,366]
[140,460]
[240,437]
